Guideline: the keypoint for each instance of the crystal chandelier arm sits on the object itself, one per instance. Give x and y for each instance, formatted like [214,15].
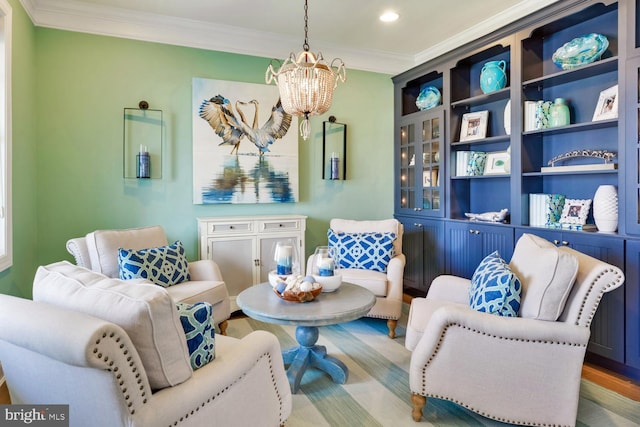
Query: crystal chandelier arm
[340,71]
[270,76]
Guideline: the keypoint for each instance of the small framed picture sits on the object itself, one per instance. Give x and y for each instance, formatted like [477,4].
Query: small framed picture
[426,179]
[607,107]
[474,126]
[575,211]
[496,163]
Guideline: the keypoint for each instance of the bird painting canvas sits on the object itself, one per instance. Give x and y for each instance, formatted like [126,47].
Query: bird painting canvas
[243,149]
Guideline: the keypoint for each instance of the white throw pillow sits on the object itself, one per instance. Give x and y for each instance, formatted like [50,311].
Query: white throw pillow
[145,311]
[547,275]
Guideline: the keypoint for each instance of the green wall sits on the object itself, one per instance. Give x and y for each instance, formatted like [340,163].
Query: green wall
[17,280]
[73,133]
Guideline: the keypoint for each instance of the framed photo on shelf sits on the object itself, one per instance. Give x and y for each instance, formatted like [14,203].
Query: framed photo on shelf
[575,211]
[474,126]
[607,107]
[496,163]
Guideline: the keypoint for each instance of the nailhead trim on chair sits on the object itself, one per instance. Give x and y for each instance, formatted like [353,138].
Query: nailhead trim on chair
[504,420]
[109,364]
[602,292]
[212,398]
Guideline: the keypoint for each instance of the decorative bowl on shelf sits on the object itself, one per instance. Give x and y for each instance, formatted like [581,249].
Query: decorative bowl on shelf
[329,283]
[580,51]
[429,97]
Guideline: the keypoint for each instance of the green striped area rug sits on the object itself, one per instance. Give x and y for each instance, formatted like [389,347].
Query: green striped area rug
[377,391]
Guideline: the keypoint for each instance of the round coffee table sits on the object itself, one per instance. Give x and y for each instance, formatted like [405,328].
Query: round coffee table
[347,303]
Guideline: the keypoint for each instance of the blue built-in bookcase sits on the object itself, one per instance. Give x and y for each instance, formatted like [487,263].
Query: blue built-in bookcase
[439,238]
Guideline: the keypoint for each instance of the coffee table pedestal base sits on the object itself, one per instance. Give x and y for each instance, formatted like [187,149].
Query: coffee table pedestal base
[310,355]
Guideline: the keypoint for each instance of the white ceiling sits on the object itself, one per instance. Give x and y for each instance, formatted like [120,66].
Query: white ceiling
[348,29]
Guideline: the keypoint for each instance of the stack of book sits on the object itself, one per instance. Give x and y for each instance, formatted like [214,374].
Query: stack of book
[537,115]
[545,209]
[462,160]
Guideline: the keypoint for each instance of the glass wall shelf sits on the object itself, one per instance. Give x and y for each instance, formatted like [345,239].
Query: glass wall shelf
[142,133]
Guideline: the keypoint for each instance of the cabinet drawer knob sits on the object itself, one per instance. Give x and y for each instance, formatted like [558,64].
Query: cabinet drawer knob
[231,227]
[565,243]
[280,225]
[556,242]
[417,225]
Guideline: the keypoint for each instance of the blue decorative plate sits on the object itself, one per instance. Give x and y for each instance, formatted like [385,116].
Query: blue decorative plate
[429,97]
[580,51]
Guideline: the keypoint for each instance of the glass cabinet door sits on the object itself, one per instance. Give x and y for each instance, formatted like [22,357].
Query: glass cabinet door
[420,183]
[431,163]
[407,176]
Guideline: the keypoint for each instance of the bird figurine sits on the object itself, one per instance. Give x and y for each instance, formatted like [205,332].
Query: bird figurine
[488,216]
[231,125]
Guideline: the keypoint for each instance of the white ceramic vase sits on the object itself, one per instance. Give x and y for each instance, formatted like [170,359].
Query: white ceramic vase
[605,208]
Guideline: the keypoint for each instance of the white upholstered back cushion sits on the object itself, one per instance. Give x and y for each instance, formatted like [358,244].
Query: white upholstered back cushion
[371,226]
[103,245]
[145,311]
[547,275]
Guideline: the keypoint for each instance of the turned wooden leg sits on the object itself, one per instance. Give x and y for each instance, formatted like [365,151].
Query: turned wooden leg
[418,402]
[223,327]
[391,324]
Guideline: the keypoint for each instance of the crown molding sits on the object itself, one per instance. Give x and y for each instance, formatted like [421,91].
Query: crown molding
[89,18]
[501,19]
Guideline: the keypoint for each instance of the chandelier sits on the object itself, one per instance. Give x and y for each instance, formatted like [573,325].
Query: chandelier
[306,82]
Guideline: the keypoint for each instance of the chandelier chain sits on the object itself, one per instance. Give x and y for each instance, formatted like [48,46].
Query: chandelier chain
[305,46]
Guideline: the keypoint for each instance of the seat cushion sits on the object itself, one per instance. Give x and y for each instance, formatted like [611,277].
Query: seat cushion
[211,291]
[547,275]
[375,281]
[103,246]
[199,332]
[145,311]
[494,288]
[165,265]
[419,315]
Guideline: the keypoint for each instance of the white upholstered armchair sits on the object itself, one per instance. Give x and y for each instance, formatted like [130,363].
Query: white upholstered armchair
[387,286]
[98,251]
[61,349]
[521,370]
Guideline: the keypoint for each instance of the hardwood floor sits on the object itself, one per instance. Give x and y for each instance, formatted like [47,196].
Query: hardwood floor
[4,394]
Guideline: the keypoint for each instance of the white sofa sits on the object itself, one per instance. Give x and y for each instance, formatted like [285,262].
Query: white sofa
[54,352]
[387,287]
[98,251]
[522,370]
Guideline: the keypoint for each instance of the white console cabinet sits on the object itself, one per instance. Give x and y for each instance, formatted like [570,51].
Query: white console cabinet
[243,246]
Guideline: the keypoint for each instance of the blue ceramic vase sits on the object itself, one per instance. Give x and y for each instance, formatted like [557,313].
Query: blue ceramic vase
[493,76]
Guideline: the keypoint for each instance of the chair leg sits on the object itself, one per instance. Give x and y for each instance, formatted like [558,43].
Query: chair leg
[223,327]
[391,324]
[418,402]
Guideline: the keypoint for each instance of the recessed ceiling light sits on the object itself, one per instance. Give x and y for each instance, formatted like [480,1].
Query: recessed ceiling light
[389,16]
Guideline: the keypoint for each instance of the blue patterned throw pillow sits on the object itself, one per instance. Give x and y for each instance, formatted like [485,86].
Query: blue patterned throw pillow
[495,289]
[164,266]
[366,251]
[200,334]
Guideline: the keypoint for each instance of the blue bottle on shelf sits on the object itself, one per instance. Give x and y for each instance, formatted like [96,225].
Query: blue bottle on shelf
[143,162]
